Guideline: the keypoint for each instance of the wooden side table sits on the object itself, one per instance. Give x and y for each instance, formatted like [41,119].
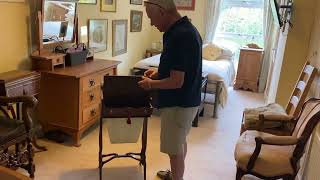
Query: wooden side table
[203,97]
[152,52]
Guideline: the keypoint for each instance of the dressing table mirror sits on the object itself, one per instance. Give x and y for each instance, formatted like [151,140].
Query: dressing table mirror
[57,25]
[59,19]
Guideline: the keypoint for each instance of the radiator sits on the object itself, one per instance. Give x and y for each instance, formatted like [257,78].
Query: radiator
[312,171]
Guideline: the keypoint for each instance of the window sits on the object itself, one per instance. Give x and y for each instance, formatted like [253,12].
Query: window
[241,21]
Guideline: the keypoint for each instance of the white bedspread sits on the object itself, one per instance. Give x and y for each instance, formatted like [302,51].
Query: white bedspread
[219,70]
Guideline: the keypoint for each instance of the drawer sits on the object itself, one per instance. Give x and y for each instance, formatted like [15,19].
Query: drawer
[15,91]
[31,88]
[90,97]
[91,82]
[91,113]
[58,60]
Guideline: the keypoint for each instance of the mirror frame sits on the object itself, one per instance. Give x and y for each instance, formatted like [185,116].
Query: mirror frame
[75,29]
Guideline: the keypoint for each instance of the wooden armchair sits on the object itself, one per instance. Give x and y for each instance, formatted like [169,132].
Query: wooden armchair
[17,133]
[273,118]
[270,156]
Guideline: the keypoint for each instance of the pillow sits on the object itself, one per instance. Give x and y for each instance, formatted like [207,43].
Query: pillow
[211,52]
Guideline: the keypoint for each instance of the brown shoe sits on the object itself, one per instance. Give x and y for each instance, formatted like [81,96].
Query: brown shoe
[165,175]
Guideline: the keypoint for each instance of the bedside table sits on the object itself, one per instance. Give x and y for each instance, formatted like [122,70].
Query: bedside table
[152,52]
[203,97]
[249,68]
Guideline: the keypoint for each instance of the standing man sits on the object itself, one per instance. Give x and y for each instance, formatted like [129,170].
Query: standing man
[178,81]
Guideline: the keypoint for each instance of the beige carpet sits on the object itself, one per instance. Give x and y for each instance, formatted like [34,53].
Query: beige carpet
[210,153]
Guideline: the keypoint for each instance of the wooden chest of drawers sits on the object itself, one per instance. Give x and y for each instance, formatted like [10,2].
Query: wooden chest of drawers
[18,83]
[70,98]
[249,66]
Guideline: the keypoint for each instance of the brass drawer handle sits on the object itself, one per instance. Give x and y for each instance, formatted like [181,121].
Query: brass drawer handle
[91,82]
[93,112]
[91,97]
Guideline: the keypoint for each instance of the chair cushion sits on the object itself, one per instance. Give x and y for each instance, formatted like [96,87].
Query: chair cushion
[272,160]
[251,115]
[250,177]
[10,129]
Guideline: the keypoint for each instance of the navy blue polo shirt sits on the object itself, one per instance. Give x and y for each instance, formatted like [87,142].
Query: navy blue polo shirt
[182,51]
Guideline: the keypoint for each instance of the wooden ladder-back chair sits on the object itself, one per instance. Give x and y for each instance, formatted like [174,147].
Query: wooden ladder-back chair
[273,157]
[273,118]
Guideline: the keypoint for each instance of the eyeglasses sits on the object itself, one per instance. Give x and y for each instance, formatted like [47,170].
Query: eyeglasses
[147,2]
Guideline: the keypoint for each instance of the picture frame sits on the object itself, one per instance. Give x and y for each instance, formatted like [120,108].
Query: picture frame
[87,1]
[136,2]
[136,21]
[98,34]
[108,5]
[119,37]
[13,1]
[185,4]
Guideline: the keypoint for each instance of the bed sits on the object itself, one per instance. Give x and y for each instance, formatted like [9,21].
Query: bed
[220,77]
[220,71]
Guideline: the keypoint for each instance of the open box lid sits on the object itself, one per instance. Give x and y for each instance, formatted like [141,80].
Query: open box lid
[124,92]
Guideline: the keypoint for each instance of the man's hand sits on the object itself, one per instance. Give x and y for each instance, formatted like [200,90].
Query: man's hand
[151,73]
[145,83]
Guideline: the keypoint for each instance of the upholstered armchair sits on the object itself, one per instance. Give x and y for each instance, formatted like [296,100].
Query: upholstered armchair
[276,119]
[17,133]
[270,156]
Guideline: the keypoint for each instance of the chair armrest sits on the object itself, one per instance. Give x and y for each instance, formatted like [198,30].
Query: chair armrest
[269,140]
[275,117]
[28,101]
[279,140]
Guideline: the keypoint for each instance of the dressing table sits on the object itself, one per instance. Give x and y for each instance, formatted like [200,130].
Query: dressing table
[70,96]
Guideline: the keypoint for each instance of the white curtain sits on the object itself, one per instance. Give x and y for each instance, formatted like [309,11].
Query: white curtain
[213,8]
[268,36]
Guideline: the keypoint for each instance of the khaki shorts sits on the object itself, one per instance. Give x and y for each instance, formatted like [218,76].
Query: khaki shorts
[176,123]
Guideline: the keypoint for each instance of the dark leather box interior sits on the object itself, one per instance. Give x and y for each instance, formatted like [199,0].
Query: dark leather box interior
[122,97]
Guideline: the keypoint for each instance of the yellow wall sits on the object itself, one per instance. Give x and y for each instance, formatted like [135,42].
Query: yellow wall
[14,38]
[197,18]
[138,42]
[296,51]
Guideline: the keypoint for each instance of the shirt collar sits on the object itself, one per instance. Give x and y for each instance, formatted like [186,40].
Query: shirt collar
[178,22]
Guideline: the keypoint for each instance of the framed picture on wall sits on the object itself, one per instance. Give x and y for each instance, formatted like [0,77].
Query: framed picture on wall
[12,1]
[119,37]
[98,34]
[137,2]
[109,5]
[185,4]
[88,1]
[136,21]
